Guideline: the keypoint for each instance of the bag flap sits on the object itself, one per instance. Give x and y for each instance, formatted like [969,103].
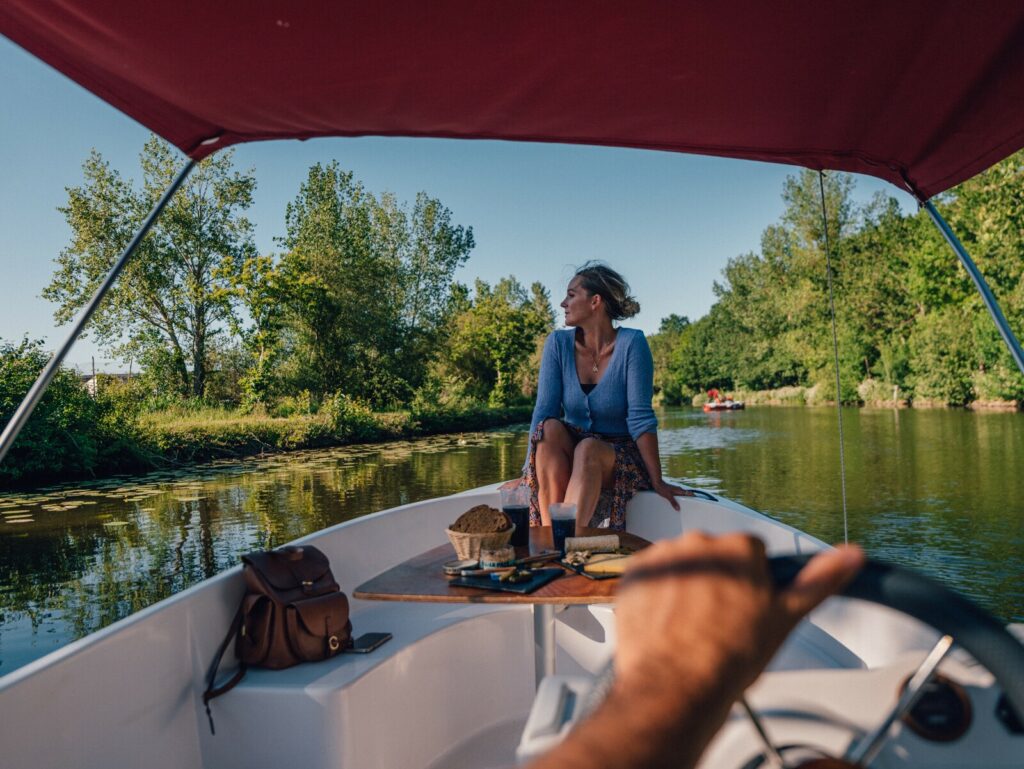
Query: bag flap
[324,615]
[293,567]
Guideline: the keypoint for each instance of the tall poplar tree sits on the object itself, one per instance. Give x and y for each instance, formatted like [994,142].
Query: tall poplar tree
[175,295]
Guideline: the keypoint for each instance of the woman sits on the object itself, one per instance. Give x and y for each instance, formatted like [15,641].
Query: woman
[602,377]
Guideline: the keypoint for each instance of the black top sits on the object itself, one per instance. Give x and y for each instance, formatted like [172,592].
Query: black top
[588,387]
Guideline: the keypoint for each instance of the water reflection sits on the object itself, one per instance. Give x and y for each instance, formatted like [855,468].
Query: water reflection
[936,490]
[78,558]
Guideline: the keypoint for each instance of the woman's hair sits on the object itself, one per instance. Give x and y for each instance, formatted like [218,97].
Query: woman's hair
[600,279]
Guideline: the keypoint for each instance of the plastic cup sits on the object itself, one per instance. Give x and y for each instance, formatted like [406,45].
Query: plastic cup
[563,523]
[515,503]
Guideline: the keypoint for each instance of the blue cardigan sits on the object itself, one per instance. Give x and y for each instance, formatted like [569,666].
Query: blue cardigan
[620,404]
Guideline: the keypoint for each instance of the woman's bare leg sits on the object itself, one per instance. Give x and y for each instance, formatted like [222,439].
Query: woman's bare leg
[554,463]
[593,469]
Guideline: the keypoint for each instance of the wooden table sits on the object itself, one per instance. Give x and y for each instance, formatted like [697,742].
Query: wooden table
[422,579]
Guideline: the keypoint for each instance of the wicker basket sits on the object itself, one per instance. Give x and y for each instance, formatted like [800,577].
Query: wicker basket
[468,545]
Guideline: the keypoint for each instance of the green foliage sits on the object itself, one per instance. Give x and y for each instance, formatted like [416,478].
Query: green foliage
[907,315]
[671,347]
[349,419]
[941,357]
[494,338]
[301,403]
[366,286]
[258,287]
[175,295]
[69,433]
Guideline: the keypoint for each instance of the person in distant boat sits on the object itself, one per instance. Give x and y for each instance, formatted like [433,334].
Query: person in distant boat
[697,619]
[603,378]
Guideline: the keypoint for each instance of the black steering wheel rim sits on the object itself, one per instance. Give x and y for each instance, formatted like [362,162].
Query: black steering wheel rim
[924,599]
[917,596]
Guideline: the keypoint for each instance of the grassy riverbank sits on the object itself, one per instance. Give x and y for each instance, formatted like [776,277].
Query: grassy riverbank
[176,436]
[212,433]
[871,394]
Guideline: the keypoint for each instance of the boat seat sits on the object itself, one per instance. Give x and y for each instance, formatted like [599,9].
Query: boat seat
[352,710]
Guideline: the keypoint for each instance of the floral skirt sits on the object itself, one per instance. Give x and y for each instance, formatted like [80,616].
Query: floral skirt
[630,476]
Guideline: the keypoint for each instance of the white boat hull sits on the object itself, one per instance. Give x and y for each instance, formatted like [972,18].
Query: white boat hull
[454,686]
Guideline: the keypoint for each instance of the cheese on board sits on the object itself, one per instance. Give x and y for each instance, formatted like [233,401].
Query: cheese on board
[607,563]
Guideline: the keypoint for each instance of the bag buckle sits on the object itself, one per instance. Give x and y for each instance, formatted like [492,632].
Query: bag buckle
[333,643]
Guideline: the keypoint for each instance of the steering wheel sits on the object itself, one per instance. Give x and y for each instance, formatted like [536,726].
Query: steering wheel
[957,618]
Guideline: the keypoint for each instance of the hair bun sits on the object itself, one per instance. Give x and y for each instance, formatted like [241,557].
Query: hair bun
[630,307]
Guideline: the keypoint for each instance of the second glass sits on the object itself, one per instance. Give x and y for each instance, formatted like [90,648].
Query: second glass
[563,523]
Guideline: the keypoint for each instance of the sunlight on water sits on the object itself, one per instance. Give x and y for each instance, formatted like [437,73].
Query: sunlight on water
[936,490]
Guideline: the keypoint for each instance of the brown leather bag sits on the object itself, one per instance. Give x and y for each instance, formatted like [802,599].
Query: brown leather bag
[293,611]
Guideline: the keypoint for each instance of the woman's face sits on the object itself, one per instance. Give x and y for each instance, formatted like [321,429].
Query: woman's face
[579,305]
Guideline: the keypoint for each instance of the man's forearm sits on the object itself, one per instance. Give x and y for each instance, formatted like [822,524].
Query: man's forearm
[645,726]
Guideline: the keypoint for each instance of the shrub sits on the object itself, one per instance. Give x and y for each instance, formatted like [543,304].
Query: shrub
[877,391]
[941,358]
[349,419]
[998,383]
[69,433]
[292,405]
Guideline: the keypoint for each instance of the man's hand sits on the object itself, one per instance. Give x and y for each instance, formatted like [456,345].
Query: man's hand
[704,609]
[698,619]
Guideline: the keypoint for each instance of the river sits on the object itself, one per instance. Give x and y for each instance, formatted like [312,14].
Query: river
[936,490]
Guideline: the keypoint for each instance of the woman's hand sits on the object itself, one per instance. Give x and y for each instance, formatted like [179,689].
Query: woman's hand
[670,491]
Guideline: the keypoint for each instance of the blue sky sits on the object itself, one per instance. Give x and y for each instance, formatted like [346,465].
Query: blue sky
[668,222]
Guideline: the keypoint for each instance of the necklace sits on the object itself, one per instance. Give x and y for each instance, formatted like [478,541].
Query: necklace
[601,352]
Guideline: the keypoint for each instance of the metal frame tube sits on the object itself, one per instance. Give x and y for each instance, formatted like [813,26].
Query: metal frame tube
[543,641]
[35,393]
[979,282]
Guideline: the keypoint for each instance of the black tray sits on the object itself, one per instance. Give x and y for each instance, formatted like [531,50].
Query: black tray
[540,578]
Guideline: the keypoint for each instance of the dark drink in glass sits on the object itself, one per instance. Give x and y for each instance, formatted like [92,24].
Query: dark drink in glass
[520,516]
[515,503]
[560,529]
[563,523]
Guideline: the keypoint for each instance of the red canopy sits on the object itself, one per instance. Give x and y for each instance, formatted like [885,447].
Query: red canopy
[919,92]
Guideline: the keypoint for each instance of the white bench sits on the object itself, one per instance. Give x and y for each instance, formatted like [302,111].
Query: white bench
[449,671]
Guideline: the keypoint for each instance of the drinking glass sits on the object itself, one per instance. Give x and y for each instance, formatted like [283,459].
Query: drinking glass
[515,503]
[563,523]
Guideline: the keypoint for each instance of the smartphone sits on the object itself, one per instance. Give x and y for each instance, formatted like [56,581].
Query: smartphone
[367,642]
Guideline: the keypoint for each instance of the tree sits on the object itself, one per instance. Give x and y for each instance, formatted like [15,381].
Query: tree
[366,285]
[668,347]
[494,339]
[257,286]
[989,210]
[175,295]
[69,431]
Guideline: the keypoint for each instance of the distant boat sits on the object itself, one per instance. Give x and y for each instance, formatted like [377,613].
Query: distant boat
[729,405]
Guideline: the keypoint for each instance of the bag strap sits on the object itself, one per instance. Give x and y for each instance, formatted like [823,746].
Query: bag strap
[216,691]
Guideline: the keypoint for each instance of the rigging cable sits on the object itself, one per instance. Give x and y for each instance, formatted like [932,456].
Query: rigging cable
[835,352]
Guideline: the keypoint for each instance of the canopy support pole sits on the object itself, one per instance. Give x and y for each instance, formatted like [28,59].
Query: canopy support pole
[35,393]
[835,354]
[979,282]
